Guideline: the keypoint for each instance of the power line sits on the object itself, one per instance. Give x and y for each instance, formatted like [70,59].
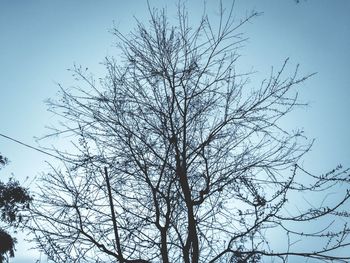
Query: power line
[34,148]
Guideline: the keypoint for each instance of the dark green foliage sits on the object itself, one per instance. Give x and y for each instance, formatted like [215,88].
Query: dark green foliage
[3,160]
[13,199]
[7,245]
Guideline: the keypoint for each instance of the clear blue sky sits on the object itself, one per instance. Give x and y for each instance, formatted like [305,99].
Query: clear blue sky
[40,39]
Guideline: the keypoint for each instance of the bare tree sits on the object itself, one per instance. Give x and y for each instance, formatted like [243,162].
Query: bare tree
[179,158]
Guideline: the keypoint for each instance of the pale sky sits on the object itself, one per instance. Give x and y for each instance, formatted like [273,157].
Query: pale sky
[40,39]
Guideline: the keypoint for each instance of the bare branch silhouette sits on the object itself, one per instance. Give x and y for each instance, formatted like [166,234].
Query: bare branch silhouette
[179,158]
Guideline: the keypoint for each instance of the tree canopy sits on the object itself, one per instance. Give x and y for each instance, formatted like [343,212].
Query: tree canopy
[179,157]
[13,199]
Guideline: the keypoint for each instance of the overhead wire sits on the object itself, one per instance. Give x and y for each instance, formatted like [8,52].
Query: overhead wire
[34,148]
